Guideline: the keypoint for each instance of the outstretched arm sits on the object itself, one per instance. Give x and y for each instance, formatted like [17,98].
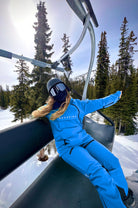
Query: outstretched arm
[89,106]
[111,99]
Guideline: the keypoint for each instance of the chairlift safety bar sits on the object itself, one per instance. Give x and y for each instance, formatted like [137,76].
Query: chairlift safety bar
[86,24]
[80,11]
[35,62]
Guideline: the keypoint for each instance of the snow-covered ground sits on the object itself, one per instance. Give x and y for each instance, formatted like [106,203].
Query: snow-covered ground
[126,149]
[11,187]
[6,118]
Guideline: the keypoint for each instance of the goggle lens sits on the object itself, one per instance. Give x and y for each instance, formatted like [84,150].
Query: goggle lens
[58,87]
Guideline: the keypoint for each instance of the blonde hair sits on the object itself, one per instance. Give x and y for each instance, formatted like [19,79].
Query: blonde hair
[44,110]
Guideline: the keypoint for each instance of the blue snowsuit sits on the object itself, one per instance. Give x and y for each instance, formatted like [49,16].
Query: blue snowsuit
[85,154]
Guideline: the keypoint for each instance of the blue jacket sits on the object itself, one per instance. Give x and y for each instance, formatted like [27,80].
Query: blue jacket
[68,128]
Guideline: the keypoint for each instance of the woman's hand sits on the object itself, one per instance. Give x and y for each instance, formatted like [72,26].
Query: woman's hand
[121,94]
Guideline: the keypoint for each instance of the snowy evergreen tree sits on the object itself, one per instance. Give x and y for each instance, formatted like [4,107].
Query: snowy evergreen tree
[43,53]
[19,102]
[102,73]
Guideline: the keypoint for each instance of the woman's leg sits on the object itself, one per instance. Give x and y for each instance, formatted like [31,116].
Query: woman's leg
[80,159]
[109,162]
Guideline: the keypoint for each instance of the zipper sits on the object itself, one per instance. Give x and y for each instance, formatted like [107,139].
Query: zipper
[88,143]
[71,150]
[78,111]
[108,105]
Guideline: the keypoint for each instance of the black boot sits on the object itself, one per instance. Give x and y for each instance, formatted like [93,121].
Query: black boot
[129,200]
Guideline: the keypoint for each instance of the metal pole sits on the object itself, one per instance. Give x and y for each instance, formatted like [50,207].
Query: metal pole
[38,63]
[42,64]
[92,37]
[86,24]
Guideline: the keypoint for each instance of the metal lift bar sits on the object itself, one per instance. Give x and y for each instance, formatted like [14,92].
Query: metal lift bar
[91,12]
[92,37]
[10,55]
[86,24]
[77,6]
[80,11]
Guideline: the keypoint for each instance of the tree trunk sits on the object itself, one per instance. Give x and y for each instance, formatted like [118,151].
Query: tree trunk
[21,119]
[119,130]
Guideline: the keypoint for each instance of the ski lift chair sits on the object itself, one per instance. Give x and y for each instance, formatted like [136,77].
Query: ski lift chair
[103,133]
[59,185]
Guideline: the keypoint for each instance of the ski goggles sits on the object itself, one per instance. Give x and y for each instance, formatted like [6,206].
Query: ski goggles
[56,88]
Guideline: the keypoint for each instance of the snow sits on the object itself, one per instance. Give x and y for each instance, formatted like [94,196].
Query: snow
[6,118]
[125,148]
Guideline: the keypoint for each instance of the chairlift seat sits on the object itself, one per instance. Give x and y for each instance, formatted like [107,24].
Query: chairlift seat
[101,132]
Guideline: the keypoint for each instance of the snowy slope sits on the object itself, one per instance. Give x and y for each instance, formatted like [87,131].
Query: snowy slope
[6,118]
[125,148]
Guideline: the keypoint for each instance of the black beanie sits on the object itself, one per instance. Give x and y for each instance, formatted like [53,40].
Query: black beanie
[53,82]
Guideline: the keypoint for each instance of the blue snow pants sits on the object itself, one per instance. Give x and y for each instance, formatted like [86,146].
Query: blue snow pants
[103,170]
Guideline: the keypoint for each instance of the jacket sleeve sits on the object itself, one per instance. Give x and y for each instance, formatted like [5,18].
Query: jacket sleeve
[89,106]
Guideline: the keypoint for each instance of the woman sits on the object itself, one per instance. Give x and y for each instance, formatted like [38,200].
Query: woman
[79,149]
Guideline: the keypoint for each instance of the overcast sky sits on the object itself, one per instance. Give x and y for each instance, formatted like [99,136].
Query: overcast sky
[17,33]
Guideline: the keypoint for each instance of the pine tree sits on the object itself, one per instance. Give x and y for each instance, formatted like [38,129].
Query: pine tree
[7,96]
[43,34]
[91,91]
[19,102]
[126,52]
[2,98]
[113,82]
[126,73]
[130,105]
[102,73]
[67,63]
[137,88]
[123,61]
[43,53]
[124,111]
